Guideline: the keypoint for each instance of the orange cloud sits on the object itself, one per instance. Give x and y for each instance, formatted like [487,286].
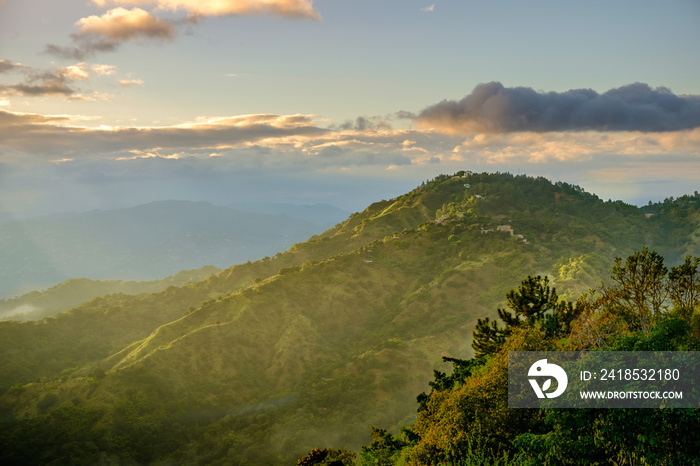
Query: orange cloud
[286,8]
[122,24]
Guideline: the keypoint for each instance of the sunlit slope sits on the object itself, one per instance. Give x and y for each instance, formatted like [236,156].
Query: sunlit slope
[265,360]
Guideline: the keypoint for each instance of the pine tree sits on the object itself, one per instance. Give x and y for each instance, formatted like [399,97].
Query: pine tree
[534,303]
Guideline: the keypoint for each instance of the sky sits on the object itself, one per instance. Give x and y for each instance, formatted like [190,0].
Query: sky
[114,103]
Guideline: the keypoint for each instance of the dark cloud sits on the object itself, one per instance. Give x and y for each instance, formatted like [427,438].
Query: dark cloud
[86,46]
[493,108]
[405,115]
[361,123]
[54,87]
[7,65]
[39,83]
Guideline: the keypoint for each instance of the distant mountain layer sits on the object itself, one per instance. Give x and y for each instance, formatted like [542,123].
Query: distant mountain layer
[320,214]
[265,360]
[37,305]
[140,243]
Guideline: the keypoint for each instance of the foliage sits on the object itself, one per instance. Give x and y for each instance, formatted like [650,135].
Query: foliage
[533,304]
[328,457]
[623,436]
[641,294]
[465,418]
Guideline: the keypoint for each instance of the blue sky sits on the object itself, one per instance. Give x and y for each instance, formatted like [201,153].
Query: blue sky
[108,103]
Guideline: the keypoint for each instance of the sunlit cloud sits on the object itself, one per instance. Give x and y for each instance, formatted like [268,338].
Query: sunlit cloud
[303,9]
[43,135]
[79,72]
[103,70]
[130,82]
[107,32]
[577,146]
[211,152]
[428,9]
[120,24]
[300,134]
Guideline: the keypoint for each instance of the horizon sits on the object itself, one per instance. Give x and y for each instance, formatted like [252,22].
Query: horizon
[237,205]
[110,103]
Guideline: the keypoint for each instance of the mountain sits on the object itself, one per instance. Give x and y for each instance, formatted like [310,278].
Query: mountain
[138,243]
[265,360]
[37,305]
[324,215]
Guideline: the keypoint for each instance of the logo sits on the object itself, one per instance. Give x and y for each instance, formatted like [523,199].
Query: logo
[542,369]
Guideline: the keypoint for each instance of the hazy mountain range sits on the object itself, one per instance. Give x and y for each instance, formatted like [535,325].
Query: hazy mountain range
[149,241]
[262,361]
[36,305]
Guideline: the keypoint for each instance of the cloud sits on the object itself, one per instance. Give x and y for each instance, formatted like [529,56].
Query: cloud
[105,33]
[493,108]
[38,83]
[11,121]
[61,157]
[46,87]
[301,9]
[362,142]
[405,115]
[576,147]
[428,9]
[56,81]
[79,72]
[130,82]
[120,24]
[30,133]
[7,65]
[362,123]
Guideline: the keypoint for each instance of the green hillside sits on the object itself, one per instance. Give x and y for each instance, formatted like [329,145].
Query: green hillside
[265,360]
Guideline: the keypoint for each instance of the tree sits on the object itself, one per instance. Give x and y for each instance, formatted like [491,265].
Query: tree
[488,338]
[533,304]
[684,288]
[638,292]
[384,449]
[530,302]
[326,457]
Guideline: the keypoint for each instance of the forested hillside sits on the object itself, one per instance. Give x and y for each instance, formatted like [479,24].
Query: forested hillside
[465,418]
[263,361]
